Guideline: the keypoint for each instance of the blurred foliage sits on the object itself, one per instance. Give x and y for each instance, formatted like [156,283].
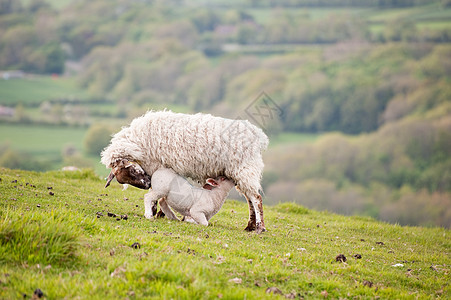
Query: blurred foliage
[375,174]
[10,158]
[97,137]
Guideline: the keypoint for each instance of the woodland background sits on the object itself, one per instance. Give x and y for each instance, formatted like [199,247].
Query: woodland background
[360,90]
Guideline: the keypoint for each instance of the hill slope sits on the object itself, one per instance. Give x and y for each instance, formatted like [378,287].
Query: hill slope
[56,235]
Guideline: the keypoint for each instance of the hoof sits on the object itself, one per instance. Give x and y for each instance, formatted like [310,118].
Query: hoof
[154,209]
[148,216]
[260,229]
[160,214]
[250,226]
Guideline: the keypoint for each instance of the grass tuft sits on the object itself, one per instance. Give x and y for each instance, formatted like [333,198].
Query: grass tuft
[33,237]
[290,207]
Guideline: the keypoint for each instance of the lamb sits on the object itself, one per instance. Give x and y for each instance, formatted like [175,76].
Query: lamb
[198,146]
[196,204]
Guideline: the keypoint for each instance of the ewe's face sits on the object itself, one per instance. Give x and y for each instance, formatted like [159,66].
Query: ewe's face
[130,173]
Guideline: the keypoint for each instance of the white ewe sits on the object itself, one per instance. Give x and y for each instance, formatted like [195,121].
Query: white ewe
[194,203]
[199,146]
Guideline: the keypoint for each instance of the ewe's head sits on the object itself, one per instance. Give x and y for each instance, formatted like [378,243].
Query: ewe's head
[127,172]
[220,181]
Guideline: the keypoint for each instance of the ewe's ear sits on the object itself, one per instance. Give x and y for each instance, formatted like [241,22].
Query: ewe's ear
[128,164]
[212,182]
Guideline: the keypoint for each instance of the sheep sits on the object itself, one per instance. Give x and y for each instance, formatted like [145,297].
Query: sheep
[198,146]
[196,204]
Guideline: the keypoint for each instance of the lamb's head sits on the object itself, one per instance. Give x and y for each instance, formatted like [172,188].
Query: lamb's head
[129,172]
[219,182]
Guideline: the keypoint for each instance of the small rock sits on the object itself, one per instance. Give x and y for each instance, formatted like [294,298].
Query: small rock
[39,205]
[136,245]
[397,265]
[236,280]
[340,258]
[273,290]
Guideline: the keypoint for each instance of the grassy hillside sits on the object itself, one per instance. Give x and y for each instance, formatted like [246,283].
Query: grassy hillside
[56,236]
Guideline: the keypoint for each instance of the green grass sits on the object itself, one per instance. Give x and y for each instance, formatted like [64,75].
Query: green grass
[92,258]
[36,89]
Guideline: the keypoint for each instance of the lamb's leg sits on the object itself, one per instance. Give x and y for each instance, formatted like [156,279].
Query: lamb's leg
[199,217]
[189,220]
[150,203]
[167,210]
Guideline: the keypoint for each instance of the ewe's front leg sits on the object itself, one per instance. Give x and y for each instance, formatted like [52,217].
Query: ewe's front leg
[150,203]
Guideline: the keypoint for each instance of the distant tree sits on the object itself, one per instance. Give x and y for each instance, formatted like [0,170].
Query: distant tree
[54,58]
[97,138]
[205,20]
[13,159]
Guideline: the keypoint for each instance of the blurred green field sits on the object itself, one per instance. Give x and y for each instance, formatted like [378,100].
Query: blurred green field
[35,89]
[43,142]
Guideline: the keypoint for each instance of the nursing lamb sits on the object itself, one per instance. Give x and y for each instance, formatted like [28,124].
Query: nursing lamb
[198,146]
[194,203]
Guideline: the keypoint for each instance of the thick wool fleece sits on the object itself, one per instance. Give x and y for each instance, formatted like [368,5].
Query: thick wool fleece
[197,146]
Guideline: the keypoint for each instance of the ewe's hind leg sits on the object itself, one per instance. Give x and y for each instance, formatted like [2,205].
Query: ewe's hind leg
[167,210]
[150,203]
[256,221]
[251,223]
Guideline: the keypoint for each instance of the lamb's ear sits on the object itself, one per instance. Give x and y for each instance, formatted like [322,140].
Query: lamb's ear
[212,182]
[108,180]
[207,187]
